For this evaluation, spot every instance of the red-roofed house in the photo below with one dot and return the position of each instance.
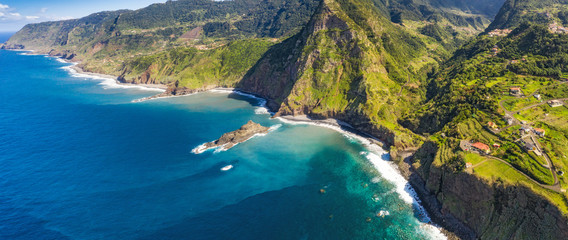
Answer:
(540, 131)
(515, 91)
(492, 125)
(481, 147)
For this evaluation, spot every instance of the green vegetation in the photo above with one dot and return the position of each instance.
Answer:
(516, 12)
(104, 41)
(414, 73)
(493, 171)
(195, 69)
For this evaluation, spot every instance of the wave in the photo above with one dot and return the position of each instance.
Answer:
(337, 126)
(105, 82)
(389, 172)
(227, 168)
(274, 127)
(202, 148)
(380, 159)
(262, 109)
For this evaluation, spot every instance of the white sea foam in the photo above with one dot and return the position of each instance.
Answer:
(201, 148)
(221, 90)
(105, 82)
(272, 128)
(350, 136)
(61, 60)
(388, 171)
(227, 168)
(261, 110)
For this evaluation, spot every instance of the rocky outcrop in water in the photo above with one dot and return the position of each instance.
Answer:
(230, 139)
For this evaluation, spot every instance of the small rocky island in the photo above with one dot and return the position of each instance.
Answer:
(230, 139)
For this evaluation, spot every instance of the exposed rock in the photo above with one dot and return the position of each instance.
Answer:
(193, 34)
(66, 54)
(474, 208)
(230, 139)
(12, 46)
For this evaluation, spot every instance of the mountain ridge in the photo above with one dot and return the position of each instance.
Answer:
(413, 73)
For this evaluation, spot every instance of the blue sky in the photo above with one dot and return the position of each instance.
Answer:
(14, 14)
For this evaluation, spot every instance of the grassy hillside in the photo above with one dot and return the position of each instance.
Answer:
(193, 68)
(474, 87)
(516, 12)
(104, 41)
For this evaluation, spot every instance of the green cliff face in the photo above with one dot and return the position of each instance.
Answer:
(493, 208)
(350, 63)
(410, 72)
(515, 12)
(109, 42)
(519, 187)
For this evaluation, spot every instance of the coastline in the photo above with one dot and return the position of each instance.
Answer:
(76, 71)
(380, 159)
(377, 155)
(80, 71)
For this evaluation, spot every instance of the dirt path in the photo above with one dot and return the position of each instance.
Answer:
(555, 187)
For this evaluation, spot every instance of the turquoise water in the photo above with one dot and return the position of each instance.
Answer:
(79, 160)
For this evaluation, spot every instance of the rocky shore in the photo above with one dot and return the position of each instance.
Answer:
(230, 139)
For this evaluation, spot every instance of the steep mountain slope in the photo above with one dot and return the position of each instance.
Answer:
(164, 21)
(499, 90)
(349, 63)
(516, 12)
(475, 14)
(386, 67)
(48, 35)
(173, 41)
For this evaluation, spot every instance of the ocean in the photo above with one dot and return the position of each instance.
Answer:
(80, 160)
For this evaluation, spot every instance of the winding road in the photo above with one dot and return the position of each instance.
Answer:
(554, 187)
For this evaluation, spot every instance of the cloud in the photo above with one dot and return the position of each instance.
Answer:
(12, 19)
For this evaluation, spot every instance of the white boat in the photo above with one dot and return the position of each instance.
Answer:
(227, 168)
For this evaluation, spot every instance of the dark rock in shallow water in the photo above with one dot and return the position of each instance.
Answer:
(230, 139)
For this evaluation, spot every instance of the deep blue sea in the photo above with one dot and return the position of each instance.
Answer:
(80, 160)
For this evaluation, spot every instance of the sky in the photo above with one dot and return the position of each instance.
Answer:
(14, 14)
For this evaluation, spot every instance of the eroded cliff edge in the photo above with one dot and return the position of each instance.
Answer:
(476, 208)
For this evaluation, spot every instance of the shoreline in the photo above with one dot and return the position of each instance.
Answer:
(107, 80)
(388, 170)
(105, 76)
(73, 69)
(377, 155)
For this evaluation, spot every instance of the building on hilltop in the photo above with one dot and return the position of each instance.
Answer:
(515, 91)
(509, 120)
(500, 32)
(555, 103)
(524, 130)
(481, 147)
(539, 131)
(529, 146)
